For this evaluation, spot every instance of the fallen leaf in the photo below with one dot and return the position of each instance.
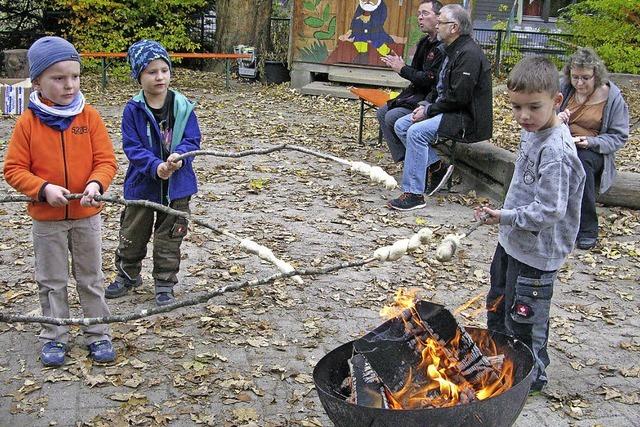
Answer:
(245, 414)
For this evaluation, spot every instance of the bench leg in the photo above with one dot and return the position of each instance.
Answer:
(361, 121)
(452, 154)
(104, 73)
(227, 72)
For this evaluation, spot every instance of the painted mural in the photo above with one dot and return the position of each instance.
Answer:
(354, 31)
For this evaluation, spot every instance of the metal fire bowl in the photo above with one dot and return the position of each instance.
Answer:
(499, 411)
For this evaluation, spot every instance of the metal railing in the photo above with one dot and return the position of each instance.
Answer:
(504, 52)
(205, 29)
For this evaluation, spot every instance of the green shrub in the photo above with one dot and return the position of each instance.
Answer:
(611, 27)
(112, 26)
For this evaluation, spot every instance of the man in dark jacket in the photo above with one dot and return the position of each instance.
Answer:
(422, 73)
(459, 107)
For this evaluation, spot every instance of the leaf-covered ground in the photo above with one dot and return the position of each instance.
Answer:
(246, 358)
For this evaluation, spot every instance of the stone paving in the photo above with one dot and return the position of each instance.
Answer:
(246, 358)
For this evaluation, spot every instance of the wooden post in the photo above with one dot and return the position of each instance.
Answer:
(546, 10)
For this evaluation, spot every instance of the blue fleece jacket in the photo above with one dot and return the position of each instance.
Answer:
(142, 145)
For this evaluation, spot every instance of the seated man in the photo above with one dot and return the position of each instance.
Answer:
(422, 73)
(460, 107)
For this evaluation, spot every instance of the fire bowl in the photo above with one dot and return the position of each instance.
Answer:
(499, 411)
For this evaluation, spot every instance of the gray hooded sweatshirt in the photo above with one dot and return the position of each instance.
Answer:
(541, 214)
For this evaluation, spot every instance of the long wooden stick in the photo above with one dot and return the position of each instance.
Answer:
(245, 244)
(143, 203)
(260, 151)
(375, 173)
(10, 318)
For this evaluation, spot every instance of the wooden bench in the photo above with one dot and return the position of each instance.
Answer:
(105, 56)
(370, 99)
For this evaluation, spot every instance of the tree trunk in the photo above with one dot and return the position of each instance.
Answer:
(16, 65)
(246, 22)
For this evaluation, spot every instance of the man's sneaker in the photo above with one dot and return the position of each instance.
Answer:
(102, 351)
(407, 202)
(53, 353)
(435, 174)
(120, 286)
(165, 298)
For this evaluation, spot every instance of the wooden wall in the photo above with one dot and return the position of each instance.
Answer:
(318, 24)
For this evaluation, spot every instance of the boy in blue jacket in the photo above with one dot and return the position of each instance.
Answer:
(158, 125)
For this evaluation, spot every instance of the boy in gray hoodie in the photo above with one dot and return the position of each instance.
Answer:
(541, 213)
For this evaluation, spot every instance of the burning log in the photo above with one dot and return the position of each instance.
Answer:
(418, 359)
(366, 387)
(499, 408)
(496, 361)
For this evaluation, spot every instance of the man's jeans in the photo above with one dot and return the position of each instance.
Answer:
(417, 139)
(387, 119)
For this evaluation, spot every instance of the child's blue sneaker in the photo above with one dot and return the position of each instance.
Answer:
(53, 353)
(102, 351)
(165, 298)
(120, 286)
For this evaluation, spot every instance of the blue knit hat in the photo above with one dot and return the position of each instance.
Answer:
(47, 51)
(141, 53)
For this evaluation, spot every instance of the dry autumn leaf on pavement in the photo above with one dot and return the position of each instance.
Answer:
(246, 357)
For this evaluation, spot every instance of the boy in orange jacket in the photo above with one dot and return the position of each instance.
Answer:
(60, 146)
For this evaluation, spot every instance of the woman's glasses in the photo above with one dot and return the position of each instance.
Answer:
(581, 78)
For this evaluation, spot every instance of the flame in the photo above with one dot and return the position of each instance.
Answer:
(402, 300)
(436, 382)
(493, 305)
(438, 390)
(504, 382)
(505, 379)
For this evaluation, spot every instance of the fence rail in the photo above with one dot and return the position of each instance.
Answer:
(504, 51)
(204, 30)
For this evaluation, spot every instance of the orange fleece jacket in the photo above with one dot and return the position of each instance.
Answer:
(38, 154)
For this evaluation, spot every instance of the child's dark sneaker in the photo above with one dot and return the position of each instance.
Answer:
(120, 286)
(102, 351)
(407, 202)
(536, 387)
(165, 298)
(586, 243)
(53, 353)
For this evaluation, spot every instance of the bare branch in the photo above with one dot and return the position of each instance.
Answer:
(9, 318)
(262, 252)
(258, 151)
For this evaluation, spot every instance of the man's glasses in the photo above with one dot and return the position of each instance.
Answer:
(581, 78)
(423, 14)
(445, 22)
